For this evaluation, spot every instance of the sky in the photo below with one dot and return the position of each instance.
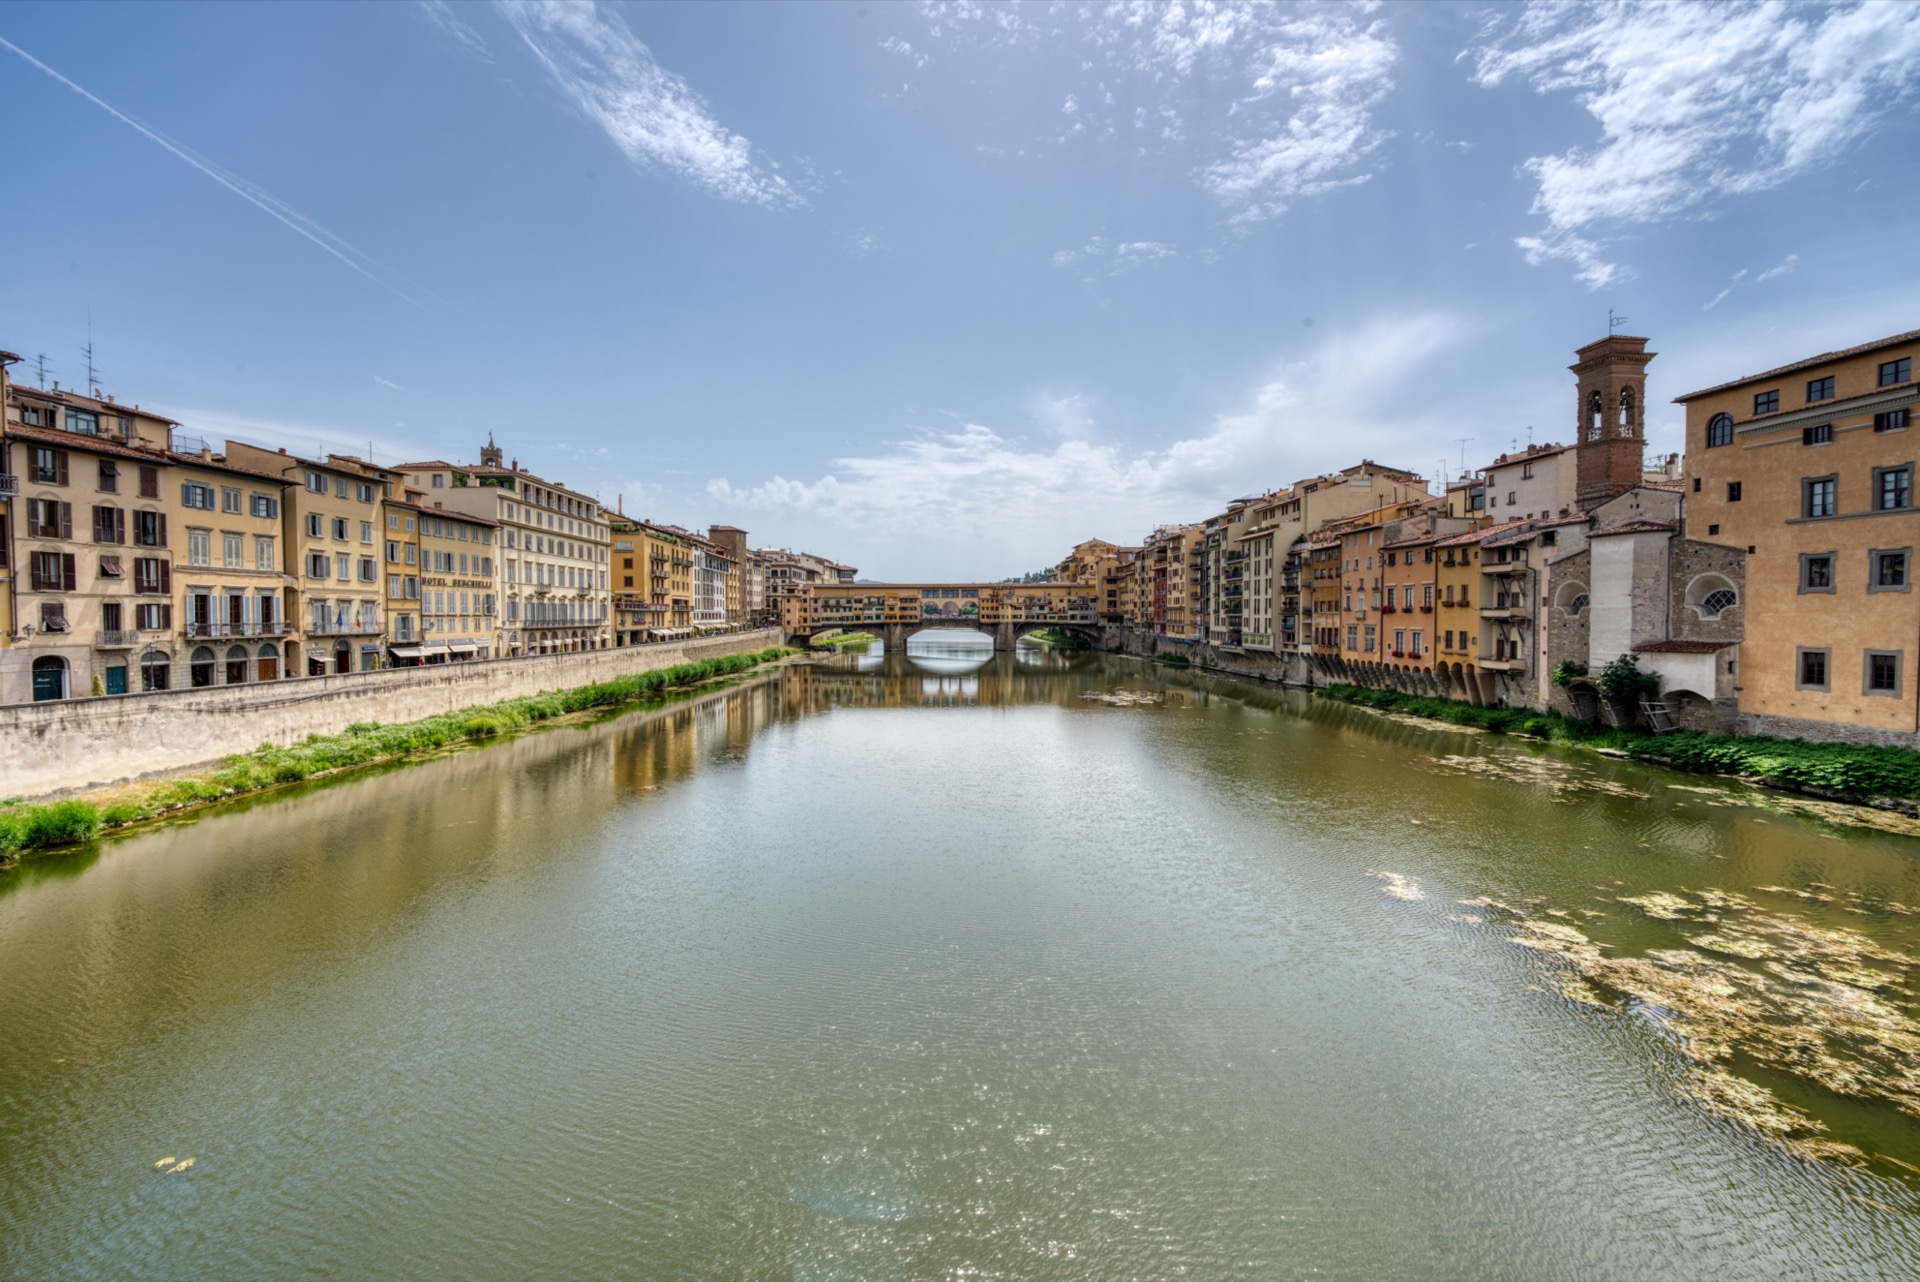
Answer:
(939, 290)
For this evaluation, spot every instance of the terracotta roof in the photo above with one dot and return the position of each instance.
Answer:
(221, 465)
(1475, 536)
(81, 441)
(1683, 647)
(1811, 361)
(1636, 527)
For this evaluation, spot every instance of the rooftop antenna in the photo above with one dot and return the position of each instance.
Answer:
(93, 374)
(1463, 442)
(40, 370)
(1614, 322)
(1529, 436)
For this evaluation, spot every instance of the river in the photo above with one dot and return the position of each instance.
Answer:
(955, 965)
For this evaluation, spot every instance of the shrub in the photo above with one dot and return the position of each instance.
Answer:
(1567, 670)
(1621, 681)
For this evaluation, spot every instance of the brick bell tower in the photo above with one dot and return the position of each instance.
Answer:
(1612, 417)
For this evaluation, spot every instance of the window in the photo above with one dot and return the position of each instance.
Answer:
(1887, 570)
(1719, 430)
(150, 529)
(439, 481)
(149, 481)
(233, 550)
(1816, 572)
(412, 552)
(230, 500)
(53, 616)
(263, 558)
(109, 476)
(316, 526)
(1767, 402)
(369, 570)
(1819, 497)
(110, 568)
(49, 519)
(1892, 372)
(151, 575)
(1718, 601)
(316, 483)
(393, 586)
(317, 564)
(84, 422)
(49, 465)
(343, 566)
(52, 571)
(1893, 487)
(199, 546)
(1819, 389)
(1821, 435)
(340, 528)
(154, 666)
(364, 492)
(264, 505)
(1880, 673)
(1891, 420)
(366, 531)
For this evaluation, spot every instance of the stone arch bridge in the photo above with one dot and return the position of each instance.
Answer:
(895, 611)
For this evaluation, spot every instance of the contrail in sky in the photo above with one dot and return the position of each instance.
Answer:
(260, 198)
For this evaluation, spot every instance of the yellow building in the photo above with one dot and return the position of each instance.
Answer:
(1808, 468)
(331, 525)
(230, 585)
(459, 592)
(400, 555)
(87, 548)
(652, 581)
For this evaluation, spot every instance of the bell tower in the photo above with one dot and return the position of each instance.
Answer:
(1611, 406)
(489, 453)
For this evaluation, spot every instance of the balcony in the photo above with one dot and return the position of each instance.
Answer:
(1503, 665)
(9, 486)
(1511, 567)
(1504, 612)
(331, 628)
(115, 639)
(1389, 608)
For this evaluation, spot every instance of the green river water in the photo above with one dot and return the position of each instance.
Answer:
(964, 966)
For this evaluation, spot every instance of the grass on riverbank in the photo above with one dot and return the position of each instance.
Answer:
(36, 825)
(1855, 770)
(1056, 639)
(844, 641)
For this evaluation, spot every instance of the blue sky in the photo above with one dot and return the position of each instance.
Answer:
(941, 289)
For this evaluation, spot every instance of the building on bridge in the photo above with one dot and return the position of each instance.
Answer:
(895, 611)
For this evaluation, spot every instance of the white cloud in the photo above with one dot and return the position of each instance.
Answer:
(864, 244)
(387, 382)
(457, 33)
(895, 45)
(1695, 103)
(1097, 257)
(1284, 95)
(1791, 261)
(949, 502)
(653, 116)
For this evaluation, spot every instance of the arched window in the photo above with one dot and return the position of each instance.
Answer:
(1596, 418)
(1577, 603)
(1572, 597)
(1712, 595)
(236, 665)
(1626, 412)
(49, 678)
(270, 662)
(1719, 430)
(155, 670)
(200, 667)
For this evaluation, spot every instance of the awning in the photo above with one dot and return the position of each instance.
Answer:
(431, 650)
(406, 652)
(463, 647)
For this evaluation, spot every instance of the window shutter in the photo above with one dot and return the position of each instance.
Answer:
(66, 571)
(166, 616)
(102, 524)
(166, 578)
(163, 530)
(60, 462)
(66, 512)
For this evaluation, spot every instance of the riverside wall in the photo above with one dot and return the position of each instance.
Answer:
(52, 749)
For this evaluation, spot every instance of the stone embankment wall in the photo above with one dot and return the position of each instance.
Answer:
(48, 749)
(1287, 669)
